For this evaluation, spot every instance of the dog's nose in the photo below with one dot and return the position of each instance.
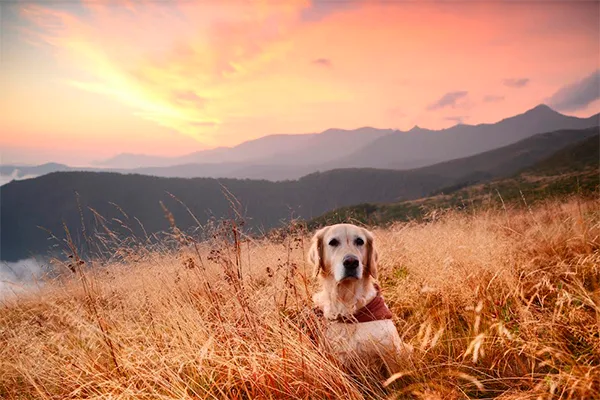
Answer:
(350, 262)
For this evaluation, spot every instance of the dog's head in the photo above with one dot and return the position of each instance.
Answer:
(343, 252)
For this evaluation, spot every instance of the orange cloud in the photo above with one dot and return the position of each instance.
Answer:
(181, 68)
(219, 73)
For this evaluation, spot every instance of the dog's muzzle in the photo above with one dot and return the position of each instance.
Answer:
(351, 266)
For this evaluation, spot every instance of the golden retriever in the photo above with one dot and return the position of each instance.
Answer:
(359, 327)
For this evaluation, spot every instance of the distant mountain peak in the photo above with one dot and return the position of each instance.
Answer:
(330, 130)
(52, 165)
(541, 112)
(542, 108)
(363, 129)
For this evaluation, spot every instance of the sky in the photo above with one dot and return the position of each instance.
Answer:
(84, 80)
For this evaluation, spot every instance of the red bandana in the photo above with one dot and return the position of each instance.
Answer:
(374, 311)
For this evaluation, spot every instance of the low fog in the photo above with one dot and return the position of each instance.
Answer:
(21, 276)
(4, 179)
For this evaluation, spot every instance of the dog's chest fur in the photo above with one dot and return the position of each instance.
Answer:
(367, 338)
(365, 342)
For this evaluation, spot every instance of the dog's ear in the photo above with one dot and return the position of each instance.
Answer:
(372, 255)
(315, 252)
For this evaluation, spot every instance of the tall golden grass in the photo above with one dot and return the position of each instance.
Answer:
(498, 304)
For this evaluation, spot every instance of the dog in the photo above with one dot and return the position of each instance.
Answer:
(358, 327)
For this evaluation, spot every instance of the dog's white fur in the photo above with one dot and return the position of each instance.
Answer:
(366, 343)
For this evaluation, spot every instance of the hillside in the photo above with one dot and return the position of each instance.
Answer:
(574, 169)
(49, 200)
(581, 156)
(512, 158)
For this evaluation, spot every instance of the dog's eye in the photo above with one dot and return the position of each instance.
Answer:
(359, 242)
(334, 242)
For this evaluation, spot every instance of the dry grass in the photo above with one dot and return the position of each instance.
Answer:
(500, 304)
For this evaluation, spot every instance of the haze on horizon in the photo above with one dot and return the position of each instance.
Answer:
(90, 79)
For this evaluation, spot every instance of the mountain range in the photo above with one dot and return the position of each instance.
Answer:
(288, 157)
(131, 203)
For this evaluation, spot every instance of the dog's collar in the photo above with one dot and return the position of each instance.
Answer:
(376, 310)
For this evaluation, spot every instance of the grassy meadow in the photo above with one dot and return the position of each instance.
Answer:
(498, 302)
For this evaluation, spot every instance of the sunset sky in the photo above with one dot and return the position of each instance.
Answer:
(86, 80)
